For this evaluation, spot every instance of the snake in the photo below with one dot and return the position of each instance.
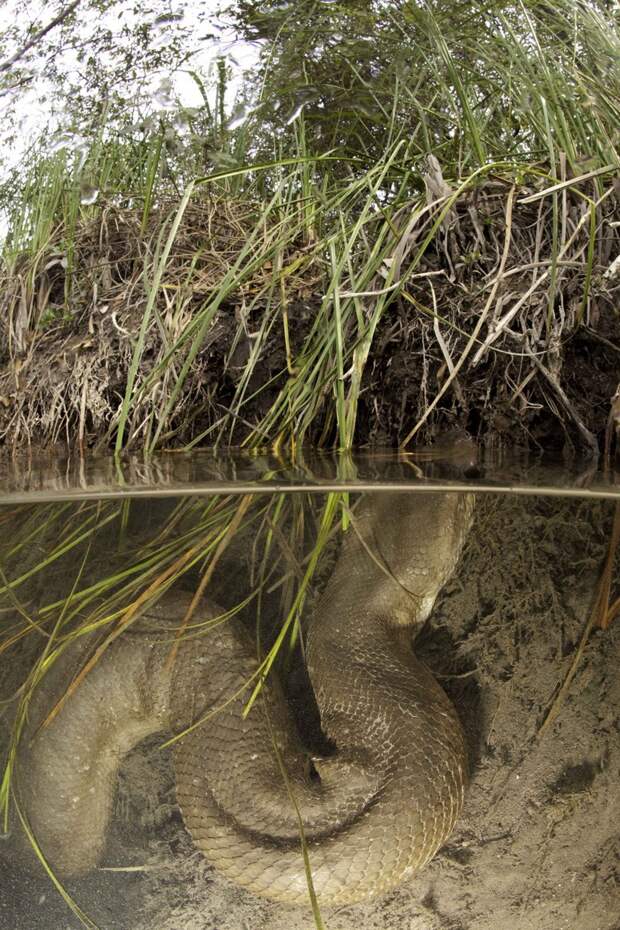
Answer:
(360, 818)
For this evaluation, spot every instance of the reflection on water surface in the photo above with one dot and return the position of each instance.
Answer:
(456, 464)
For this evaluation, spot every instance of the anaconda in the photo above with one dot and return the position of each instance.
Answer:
(374, 811)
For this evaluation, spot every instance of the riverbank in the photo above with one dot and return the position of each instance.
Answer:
(487, 304)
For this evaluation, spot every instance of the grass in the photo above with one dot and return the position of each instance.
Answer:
(424, 252)
(271, 334)
(121, 569)
(256, 305)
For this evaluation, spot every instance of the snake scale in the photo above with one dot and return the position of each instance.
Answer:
(374, 811)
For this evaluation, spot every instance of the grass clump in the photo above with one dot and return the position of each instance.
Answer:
(317, 277)
(226, 321)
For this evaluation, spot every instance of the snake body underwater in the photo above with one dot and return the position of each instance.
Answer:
(374, 811)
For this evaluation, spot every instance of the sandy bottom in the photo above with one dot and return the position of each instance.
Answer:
(538, 844)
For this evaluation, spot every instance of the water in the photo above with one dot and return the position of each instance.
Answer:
(456, 465)
(535, 842)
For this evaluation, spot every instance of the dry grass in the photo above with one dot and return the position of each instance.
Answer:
(224, 322)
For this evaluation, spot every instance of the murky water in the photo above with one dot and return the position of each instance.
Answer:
(514, 638)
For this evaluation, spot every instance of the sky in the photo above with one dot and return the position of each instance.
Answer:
(36, 107)
(161, 91)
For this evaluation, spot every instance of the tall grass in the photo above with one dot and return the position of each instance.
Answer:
(517, 90)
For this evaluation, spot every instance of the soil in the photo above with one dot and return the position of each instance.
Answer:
(538, 843)
(543, 379)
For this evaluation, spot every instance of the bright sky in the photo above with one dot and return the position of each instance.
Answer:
(162, 91)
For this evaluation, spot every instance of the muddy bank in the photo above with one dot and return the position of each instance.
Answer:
(521, 352)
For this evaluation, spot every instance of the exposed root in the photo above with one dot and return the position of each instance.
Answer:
(498, 316)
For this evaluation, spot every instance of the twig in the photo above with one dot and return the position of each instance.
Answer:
(5, 65)
(472, 339)
(608, 613)
(392, 287)
(571, 182)
(588, 437)
(606, 342)
(598, 617)
(510, 315)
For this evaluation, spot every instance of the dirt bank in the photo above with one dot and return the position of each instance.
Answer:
(519, 350)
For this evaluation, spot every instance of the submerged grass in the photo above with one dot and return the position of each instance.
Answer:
(122, 569)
